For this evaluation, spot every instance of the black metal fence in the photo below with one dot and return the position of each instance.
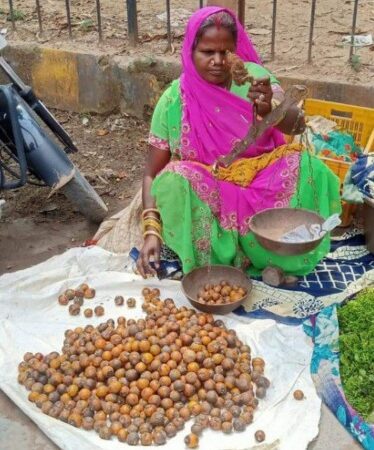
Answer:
(132, 22)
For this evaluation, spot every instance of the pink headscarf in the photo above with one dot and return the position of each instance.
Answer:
(213, 118)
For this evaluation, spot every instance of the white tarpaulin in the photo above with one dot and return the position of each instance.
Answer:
(32, 320)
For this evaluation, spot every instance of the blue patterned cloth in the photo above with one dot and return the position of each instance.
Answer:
(324, 331)
(348, 268)
(359, 181)
(347, 262)
(362, 175)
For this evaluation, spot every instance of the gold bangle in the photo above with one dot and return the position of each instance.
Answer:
(153, 218)
(152, 229)
(153, 224)
(154, 233)
(150, 221)
(150, 210)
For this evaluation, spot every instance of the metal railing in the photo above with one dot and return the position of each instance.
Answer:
(132, 22)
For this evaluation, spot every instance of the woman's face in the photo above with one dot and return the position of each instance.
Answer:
(209, 55)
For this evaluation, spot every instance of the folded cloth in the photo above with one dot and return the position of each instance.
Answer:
(321, 125)
(359, 181)
(363, 175)
(336, 145)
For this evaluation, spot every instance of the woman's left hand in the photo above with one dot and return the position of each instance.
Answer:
(261, 94)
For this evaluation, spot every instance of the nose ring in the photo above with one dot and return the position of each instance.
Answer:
(212, 62)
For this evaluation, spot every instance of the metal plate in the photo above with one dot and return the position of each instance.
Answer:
(197, 278)
(269, 225)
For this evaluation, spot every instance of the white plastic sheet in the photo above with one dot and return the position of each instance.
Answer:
(32, 320)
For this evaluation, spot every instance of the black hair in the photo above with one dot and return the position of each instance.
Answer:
(219, 19)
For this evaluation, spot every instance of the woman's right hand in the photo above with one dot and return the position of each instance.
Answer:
(151, 247)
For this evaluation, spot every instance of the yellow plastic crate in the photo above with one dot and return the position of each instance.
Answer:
(359, 122)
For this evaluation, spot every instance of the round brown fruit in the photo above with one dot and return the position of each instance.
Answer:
(258, 362)
(105, 432)
(197, 428)
(146, 438)
(89, 293)
(99, 311)
(227, 427)
(74, 309)
(88, 312)
(260, 436)
(70, 294)
(131, 302)
(122, 435)
(191, 440)
(298, 395)
(239, 424)
(260, 392)
(78, 301)
(78, 294)
(119, 300)
(63, 300)
(83, 287)
(159, 437)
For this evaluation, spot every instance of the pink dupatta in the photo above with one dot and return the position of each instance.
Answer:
(214, 118)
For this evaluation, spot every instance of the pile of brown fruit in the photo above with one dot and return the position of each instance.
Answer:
(220, 294)
(75, 299)
(142, 380)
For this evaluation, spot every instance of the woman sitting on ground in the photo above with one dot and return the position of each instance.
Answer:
(198, 119)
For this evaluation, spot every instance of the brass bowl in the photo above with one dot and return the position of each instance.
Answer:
(269, 225)
(197, 278)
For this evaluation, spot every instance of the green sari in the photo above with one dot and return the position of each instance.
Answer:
(190, 227)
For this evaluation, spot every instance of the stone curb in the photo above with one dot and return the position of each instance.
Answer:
(91, 83)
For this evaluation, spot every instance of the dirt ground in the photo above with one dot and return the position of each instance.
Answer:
(333, 20)
(111, 155)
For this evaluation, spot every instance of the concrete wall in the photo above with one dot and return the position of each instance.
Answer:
(338, 92)
(83, 82)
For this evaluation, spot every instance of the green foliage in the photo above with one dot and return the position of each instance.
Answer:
(356, 342)
(86, 25)
(17, 15)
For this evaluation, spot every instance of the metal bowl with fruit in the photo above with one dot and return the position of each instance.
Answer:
(216, 289)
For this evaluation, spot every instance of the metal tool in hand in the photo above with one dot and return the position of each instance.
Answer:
(292, 97)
